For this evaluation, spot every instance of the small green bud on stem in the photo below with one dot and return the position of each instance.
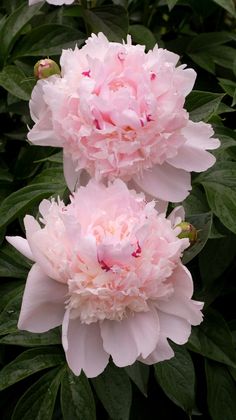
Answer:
(188, 231)
(45, 68)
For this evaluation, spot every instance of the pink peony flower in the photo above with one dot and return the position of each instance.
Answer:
(108, 268)
(54, 2)
(118, 112)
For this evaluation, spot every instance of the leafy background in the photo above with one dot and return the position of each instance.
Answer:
(35, 382)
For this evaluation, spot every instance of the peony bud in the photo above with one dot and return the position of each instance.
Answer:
(45, 68)
(188, 231)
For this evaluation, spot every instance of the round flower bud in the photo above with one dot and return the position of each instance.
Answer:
(188, 231)
(45, 68)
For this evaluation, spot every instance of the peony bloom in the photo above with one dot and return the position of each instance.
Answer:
(119, 112)
(54, 2)
(108, 268)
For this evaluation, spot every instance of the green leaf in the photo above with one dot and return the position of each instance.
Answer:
(48, 39)
(10, 314)
(222, 200)
(113, 388)
(202, 105)
(5, 176)
(211, 266)
(142, 35)
(221, 391)
(111, 20)
(14, 81)
(27, 339)
(139, 373)
(202, 222)
(30, 362)
(203, 60)
(213, 339)
(18, 202)
(177, 378)
(219, 183)
(38, 401)
(14, 25)
(229, 87)
(77, 400)
(227, 5)
(8, 291)
(171, 4)
(12, 263)
(222, 55)
(208, 39)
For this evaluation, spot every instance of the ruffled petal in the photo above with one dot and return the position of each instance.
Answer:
(84, 348)
(165, 182)
(43, 302)
(193, 155)
(33, 228)
(163, 351)
(180, 303)
(130, 338)
(21, 245)
(72, 176)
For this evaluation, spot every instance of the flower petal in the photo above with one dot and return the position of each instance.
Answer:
(72, 176)
(163, 351)
(130, 338)
(165, 182)
(43, 302)
(84, 348)
(180, 303)
(193, 155)
(21, 245)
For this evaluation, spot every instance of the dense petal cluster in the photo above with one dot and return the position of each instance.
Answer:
(118, 111)
(108, 268)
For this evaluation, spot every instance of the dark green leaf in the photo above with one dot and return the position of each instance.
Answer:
(221, 391)
(208, 39)
(27, 339)
(14, 25)
(30, 362)
(202, 222)
(171, 4)
(12, 263)
(113, 388)
(229, 87)
(202, 105)
(47, 40)
(213, 339)
(227, 5)
(211, 266)
(111, 20)
(10, 314)
(14, 81)
(139, 373)
(77, 400)
(17, 203)
(177, 378)
(142, 35)
(38, 401)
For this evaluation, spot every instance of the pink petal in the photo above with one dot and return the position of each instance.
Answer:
(84, 348)
(130, 338)
(21, 245)
(180, 303)
(177, 215)
(175, 328)
(71, 174)
(193, 155)
(43, 302)
(162, 352)
(165, 182)
(32, 228)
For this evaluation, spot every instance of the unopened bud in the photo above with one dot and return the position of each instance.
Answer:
(45, 68)
(188, 231)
